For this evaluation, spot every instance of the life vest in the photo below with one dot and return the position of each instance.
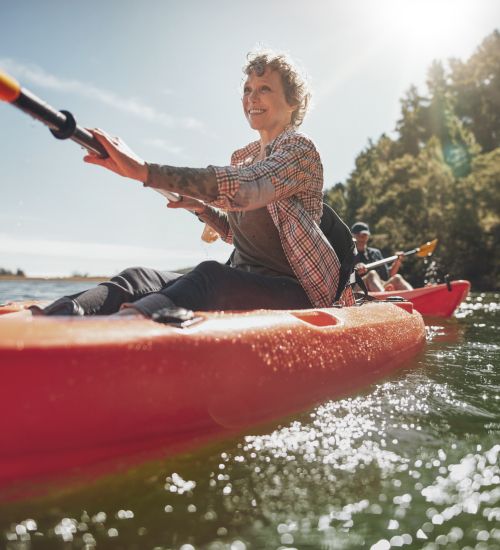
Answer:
(339, 236)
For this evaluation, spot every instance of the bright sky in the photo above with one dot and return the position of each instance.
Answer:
(165, 75)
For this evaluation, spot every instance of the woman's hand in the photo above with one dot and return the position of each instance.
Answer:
(121, 159)
(209, 235)
(193, 205)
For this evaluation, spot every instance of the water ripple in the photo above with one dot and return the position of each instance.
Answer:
(410, 462)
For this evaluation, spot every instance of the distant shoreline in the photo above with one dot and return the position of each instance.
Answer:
(71, 279)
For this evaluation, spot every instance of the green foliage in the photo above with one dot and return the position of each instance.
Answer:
(475, 85)
(336, 196)
(440, 176)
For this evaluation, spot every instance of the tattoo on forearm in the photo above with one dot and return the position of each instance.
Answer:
(199, 183)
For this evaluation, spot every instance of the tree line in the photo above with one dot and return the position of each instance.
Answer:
(8, 272)
(438, 175)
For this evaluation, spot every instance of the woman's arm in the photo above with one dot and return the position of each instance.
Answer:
(294, 167)
(199, 183)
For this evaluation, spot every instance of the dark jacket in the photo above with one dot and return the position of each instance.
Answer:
(339, 236)
(372, 255)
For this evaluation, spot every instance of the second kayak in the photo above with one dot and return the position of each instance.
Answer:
(434, 300)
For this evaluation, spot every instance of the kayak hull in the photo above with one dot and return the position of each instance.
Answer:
(80, 390)
(434, 300)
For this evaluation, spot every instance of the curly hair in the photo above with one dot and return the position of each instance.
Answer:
(294, 84)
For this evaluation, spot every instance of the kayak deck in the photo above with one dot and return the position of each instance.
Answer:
(80, 390)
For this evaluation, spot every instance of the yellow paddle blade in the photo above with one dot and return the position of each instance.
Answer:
(9, 88)
(427, 249)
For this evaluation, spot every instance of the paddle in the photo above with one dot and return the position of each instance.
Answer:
(62, 124)
(422, 251)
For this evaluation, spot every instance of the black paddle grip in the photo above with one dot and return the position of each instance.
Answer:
(62, 124)
(67, 129)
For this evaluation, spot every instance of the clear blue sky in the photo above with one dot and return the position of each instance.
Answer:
(165, 75)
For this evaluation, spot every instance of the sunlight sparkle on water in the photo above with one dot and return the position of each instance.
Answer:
(410, 462)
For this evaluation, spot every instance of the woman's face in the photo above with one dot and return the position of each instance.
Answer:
(265, 105)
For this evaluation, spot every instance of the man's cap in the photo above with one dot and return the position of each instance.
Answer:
(360, 227)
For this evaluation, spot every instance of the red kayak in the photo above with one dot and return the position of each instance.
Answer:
(433, 300)
(76, 391)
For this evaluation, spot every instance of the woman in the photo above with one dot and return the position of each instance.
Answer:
(267, 203)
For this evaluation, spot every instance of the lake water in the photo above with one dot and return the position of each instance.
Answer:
(410, 462)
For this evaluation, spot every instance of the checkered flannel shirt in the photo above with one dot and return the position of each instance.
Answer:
(293, 168)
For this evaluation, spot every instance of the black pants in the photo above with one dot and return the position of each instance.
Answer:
(209, 286)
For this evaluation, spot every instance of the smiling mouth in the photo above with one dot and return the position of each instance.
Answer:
(256, 111)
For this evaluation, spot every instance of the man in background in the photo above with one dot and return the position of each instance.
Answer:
(380, 278)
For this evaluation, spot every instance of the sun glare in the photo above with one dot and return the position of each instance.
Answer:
(426, 29)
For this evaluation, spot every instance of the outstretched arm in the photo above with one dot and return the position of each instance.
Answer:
(199, 183)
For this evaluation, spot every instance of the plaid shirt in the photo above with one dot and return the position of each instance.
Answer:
(289, 181)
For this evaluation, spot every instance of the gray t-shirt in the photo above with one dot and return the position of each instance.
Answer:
(257, 243)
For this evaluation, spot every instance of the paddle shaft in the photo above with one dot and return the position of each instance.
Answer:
(61, 123)
(56, 120)
(389, 259)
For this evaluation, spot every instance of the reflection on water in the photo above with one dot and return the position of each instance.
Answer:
(39, 290)
(411, 462)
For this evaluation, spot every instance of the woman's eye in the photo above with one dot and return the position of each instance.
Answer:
(265, 89)
(246, 90)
